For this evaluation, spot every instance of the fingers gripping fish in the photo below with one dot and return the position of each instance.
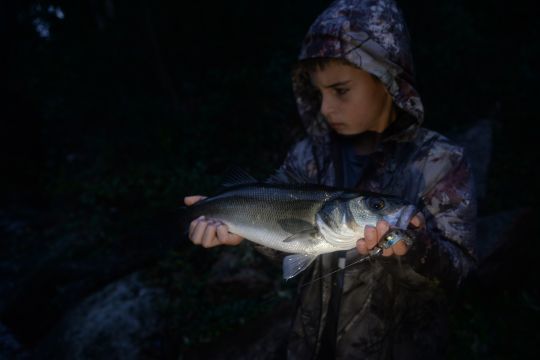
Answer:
(389, 239)
(305, 220)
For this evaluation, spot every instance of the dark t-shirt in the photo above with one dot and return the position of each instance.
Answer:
(354, 165)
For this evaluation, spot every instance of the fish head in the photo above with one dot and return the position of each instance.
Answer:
(371, 208)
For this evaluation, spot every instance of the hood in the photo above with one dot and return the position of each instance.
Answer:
(372, 35)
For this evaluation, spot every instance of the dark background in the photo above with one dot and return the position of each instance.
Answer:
(114, 110)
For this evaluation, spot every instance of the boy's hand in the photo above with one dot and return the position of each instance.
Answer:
(372, 236)
(209, 232)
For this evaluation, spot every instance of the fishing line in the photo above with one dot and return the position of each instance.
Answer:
(367, 257)
(390, 238)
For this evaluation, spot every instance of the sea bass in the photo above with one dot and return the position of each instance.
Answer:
(303, 219)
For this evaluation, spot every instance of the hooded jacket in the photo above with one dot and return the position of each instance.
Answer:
(389, 307)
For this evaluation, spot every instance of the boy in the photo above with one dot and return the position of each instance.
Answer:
(355, 93)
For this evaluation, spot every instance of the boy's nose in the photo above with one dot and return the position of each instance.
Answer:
(327, 107)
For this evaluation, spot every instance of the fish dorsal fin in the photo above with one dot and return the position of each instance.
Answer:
(294, 178)
(295, 264)
(237, 176)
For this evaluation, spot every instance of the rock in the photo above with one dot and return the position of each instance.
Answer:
(10, 348)
(494, 231)
(477, 143)
(120, 322)
(271, 344)
(230, 270)
(264, 338)
(506, 246)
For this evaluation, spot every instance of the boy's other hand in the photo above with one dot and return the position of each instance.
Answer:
(209, 232)
(372, 236)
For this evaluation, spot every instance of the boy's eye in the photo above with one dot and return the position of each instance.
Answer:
(341, 91)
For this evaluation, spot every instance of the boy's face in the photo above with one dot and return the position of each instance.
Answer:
(352, 101)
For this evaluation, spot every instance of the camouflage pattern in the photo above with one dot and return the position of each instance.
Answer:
(390, 307)
(370, 34)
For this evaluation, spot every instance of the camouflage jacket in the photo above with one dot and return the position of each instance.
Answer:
(390, 307)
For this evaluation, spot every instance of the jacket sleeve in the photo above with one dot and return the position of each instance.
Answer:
(443, 250)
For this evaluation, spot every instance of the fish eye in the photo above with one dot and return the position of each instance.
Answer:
(376, 204)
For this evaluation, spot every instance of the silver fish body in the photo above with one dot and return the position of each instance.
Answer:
(305, 220)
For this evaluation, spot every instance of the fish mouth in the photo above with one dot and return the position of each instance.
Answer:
(406, 216)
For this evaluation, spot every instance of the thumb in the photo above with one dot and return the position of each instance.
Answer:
(190, 200)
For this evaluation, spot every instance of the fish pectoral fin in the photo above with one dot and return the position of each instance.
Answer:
(310, 235)
(295, 264)
(294, 226)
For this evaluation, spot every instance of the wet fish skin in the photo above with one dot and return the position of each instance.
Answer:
(305, 220)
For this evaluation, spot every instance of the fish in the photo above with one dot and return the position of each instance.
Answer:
(303, 219)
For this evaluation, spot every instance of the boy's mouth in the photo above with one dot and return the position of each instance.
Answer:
(336, 124)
